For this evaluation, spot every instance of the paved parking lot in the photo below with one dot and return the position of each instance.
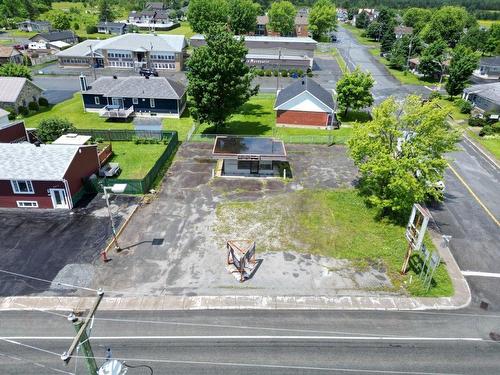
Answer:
(59, 246)
(171, 247)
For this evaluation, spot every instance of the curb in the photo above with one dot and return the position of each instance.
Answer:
(460, 299)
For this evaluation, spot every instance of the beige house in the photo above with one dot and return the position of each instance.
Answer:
(10, 55)
(17, 91)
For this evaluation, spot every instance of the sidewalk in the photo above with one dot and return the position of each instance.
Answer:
(460, 299)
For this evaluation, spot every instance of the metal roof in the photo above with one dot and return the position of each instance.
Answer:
(490, 61)
(80, 50)
(276, 39)
(56, 35)
(72, 139)
(10, 88)
(7, 51)
(233, 146)
(490, 91)
(25, 161)
(309, 85)
(137, 87)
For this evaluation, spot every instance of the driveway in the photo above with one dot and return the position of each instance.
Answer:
(58, 246)
(57, 89)
(172, 246)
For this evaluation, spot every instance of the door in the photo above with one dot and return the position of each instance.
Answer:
(254, 167)
(59, 198)
(117, 102)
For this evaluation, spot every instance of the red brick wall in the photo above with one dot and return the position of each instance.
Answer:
(301, 118)
(83, 165)
(8, 198)
(13, 133)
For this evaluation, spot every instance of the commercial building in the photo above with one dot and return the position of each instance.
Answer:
(128, 51)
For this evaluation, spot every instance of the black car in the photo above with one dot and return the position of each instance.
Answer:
(148, 72)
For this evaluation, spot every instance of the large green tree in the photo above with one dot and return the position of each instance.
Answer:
(476, 39)
(322, 18)
(243, 15)
(282, 17)
(417, 18)
(60, 20)
(106, 11)
(400, 154)
(362, 20)
(15, 70)
(403, 49)
(52, 128)
(202, 14)
(447, 23)
(463, 62)
(433, 59)
(354, 90)
(219, 80)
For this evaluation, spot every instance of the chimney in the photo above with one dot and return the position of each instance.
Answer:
(83, 83)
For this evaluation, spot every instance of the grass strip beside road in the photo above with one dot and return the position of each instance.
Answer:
(331, 223)
(490, 143)
(340, 61)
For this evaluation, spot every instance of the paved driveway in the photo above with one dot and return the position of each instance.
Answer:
(59, 246)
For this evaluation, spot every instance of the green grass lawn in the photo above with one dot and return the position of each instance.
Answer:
(183, 29)
(181, 125)
(340, 60)
(488, 23)
(333, 223)
(492, 144)
(136, 160)
(454, 111)
(72, 110)
(359, 37)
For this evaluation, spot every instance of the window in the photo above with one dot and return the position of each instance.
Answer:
(27, 203)
(135, 101)
(152, 103)
(96, 100)
(22, 187)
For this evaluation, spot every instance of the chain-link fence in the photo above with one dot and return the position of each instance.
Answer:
(304, 139)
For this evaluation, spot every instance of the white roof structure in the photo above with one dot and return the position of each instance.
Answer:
(263, 38)
(25, 161)
(72, 139)
(129, 42)
(10, 88)
(59, 44)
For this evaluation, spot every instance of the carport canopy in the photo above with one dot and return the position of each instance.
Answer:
(234, 147)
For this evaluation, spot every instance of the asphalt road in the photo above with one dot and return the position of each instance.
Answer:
(264, 342)
(57, 89)
(358, 55)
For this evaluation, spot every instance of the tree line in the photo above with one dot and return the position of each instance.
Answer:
(471, 5)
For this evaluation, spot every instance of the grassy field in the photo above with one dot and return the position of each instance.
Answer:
(488, 23)
(136, 160)
(333, 223)
(454, 111)
(183, 29)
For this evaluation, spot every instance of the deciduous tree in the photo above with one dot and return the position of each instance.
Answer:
(447, 23)
(106, 11)
(61, 21)
(282, 17)
(52, 128)
(400, 154)
(15, 70)
(243, 15)
(362, 20)
(322, 18)
(354, 90)
(433, 59)
(202, 14)
(463, 62)
(219, 79)
(417, 18)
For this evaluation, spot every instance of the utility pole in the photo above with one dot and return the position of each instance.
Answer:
(82, 338)
(92, 61)
(278, 76)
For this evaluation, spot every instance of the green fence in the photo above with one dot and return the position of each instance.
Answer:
(136, 186)
(125, 135)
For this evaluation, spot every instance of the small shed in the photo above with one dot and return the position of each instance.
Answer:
(249, 156)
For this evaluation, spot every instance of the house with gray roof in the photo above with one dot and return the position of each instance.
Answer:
(9, 54)
(118, 28)
(44, 176)
(34, 26)
(489, 68)
(18, 91)
(305, 103)
(66, 36)
(128, 51)
(123, 97)
(485, 97)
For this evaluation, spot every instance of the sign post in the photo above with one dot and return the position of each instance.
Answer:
(415, 232)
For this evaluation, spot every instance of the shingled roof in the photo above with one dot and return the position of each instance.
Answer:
(302, 85)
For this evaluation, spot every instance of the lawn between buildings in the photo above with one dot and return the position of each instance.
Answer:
(332, 223)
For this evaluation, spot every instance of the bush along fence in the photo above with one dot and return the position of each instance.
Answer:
(134, 186)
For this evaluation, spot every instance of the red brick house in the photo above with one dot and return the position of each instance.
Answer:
(305, 103)
(44, 176)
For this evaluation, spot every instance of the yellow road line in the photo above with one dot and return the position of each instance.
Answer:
(474, 195)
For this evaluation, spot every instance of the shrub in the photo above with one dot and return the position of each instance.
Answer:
(135, 140)
(99, 140)
(276, 73)
(42, 102)
(463, 105)
(76, 26)
(33, 106)
(268, 73)
(91, 29)
(477, 121)
(12, 112)
(490, 129)
(22, 110)
(284, 73)
(309, 74)
(435, 95)
(300, 72)
(52, 128)
(259, 72)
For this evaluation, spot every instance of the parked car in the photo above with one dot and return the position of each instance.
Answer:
(148, 72)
